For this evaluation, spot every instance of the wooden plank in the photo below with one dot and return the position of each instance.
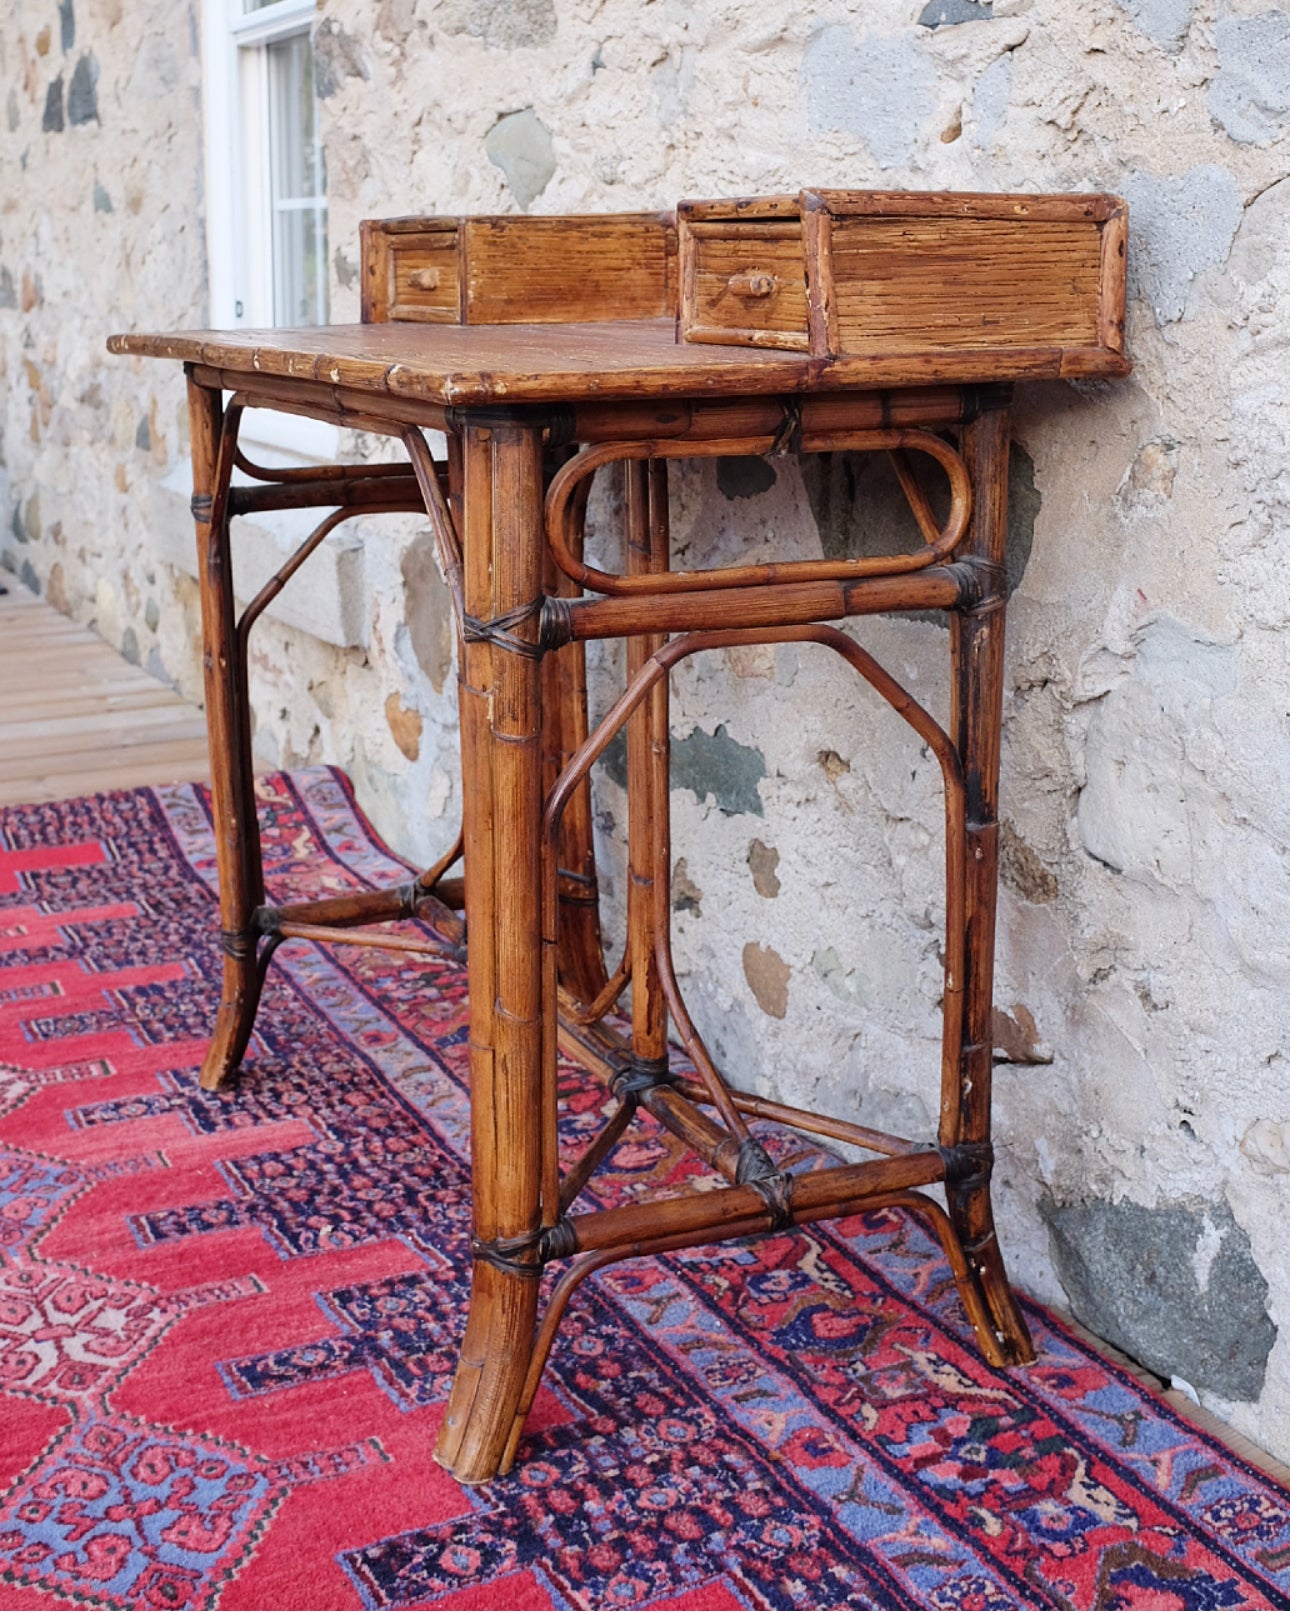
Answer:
(90, 736)
(52, 785)
(75, 718)
(100, 699)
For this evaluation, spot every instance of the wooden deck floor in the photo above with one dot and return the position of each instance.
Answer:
(75, 718)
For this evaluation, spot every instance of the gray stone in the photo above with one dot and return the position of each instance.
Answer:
(1024, 502)
(1181, 226)
(1022, 869)
(130, 646)
(52, 122)
(8, 295)
(880, 88)
(346, 268)
(83, 91)
(686, 895)
(861, 510)
(1175, 1287)
(1250, 94)
(718, 766)
(945, 13)
(337, 56)
(744, 475)
(1165, 21)
(520, 145)
(102, 201)
(66, 25)
(708, 764)
(428, 610)
(29, 576)
(673, 81)
(152, 615)
(156, 69)
(991, 97)
(12, 111)
(143, 434)
(506, 24)
(1261, 240)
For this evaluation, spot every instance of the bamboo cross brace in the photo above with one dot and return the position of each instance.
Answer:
(711, 1087)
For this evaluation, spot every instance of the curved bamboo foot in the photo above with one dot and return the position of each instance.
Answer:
(494, 1363)
(972, 1217)
(234, 1021)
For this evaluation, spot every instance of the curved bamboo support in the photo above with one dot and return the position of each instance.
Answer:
(286, 572)
(596, 1152)
(587, 1265)
(711, 1084)
(976, 643)
(583, 973)
(593, 1012)
(940, 542)
(311, 473)
(248, 940)
(428, 880)
(446, 537)
(237, 837)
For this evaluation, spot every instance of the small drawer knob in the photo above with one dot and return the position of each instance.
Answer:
(424, 279)
(752, 283)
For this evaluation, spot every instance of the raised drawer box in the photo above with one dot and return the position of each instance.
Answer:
(1032, 283)
(507, 270)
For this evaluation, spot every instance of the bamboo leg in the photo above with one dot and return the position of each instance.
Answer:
(648, 846)
(237, 835)
(502, 761)
(977, 696)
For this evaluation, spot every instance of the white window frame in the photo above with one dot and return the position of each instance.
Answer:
(238, 222)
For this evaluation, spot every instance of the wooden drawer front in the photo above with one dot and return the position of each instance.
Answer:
(509, 271)
(566, 270)
(744, 283)
(912, 284)
(424, 277)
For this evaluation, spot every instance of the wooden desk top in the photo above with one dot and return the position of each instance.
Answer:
(472, 365)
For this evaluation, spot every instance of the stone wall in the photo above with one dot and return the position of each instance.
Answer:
(1144, 971)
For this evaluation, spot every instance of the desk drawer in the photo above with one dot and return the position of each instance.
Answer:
(745, 282)
(1007, 284)
(424, 277)
(508, 270)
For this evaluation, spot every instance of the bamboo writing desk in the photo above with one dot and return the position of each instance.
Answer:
(531, 412)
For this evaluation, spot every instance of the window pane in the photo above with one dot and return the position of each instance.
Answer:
(298, 186)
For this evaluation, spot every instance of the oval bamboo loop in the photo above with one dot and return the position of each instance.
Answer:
(939, 541)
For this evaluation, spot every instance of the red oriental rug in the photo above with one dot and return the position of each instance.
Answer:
(227, 1323)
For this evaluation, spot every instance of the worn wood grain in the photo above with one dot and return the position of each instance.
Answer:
(475, 365)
